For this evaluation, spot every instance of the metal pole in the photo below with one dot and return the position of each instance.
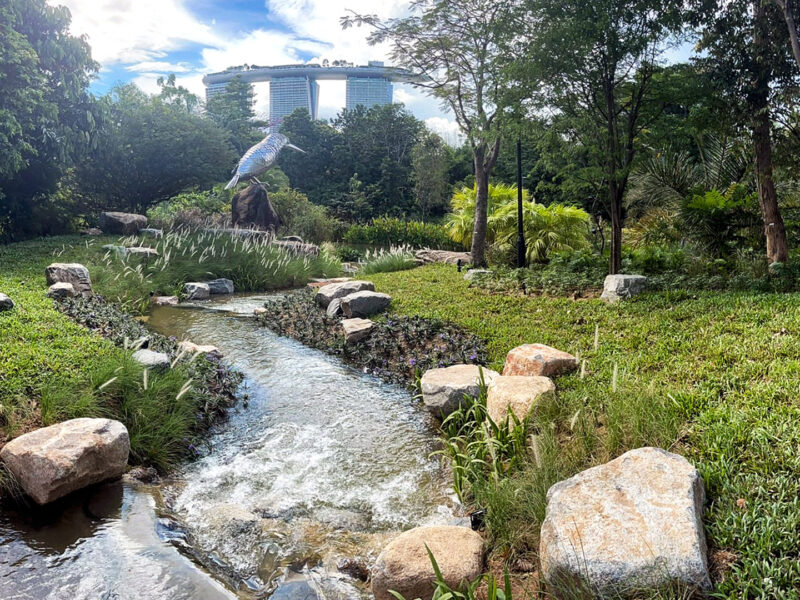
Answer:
(520, 232)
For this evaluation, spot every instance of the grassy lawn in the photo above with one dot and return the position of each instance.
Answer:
(713, 376)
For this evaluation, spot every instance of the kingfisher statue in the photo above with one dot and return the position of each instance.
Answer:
(260, 158)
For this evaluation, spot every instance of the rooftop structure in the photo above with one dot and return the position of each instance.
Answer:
(295, 86)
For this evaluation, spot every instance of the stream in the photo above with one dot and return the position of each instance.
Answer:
(295, 494)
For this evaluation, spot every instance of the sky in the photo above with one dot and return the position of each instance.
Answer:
(141, 40)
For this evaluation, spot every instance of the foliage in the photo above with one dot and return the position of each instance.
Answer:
(300, 217)
(192, 205)
(383, 261)
(716, 218)
(460, 222)
(656, 227)
(387, 231)
(430, 161)
(399, 349)
(232, 111)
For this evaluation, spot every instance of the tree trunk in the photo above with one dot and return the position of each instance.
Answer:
(478, 249)
(615, 202)
(774, 230)
(788, 16)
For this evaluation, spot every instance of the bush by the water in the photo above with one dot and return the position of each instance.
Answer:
(399, 349)
(387, 231)
(301, 217)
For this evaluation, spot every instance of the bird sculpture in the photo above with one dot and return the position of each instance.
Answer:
(260, 158)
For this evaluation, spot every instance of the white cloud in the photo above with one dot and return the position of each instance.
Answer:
(447, 129)
(160, 66)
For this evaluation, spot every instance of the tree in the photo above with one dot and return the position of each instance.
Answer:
(594, 62)
(455, 48)
(431, 164)
(232, 110)
(47, 117)
(745, 46)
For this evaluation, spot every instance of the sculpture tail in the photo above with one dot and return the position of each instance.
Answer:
(232, 183)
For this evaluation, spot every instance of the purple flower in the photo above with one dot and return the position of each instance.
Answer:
(412, 362)
(473, 356)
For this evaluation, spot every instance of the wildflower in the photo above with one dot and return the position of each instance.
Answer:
(412, 362)
(473, 356)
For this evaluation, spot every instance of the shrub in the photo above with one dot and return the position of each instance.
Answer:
(387, 231)
(383, 261)
(191, 208)
(722, 220)
(459, 223)
(303, 218)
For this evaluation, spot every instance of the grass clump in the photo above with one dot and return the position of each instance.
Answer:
(387, 261)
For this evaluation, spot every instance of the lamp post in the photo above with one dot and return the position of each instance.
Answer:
(520, 232)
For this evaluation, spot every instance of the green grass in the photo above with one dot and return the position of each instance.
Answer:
(714, 376)
(388, 261)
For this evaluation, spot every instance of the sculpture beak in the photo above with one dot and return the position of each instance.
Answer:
(293, 147)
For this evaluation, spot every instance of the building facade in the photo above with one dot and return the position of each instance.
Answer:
(287, 94)
(368, 91)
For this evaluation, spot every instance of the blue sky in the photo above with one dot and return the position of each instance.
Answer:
(140, 40)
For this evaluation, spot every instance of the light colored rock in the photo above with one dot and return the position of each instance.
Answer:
(633, 522)
(443, 390)
(150, 232)
(53, 461)
(151, 359)
(315, 284)
(73, 273)
(192, 348)
(334, 308)
(259, 310)
(6, 303)
(121, 251)
(196, 291)
(538, 359)
(620, 287)
(365, 304)
(141, 252)
(122, 223)
(443, 256)
(517, 394)
(220, 286)
(166, 300)
(404, 566)
(330, 292)
(356, 329)
(92, 231)
(61, 290)
(473, 273)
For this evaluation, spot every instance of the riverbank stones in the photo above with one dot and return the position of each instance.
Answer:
(356, 329)
(6, 303)
(73, 273)
(150, 232)
(53, 461)
(317, 283)
(192, 348)
(151, 359)
(61, 290)
(622, 287)
(220, 286)
(516, 394)
(196, 291)
(330, 292)
(165, 300)
(365, 304)
(405, 567)
(121, 223)
(633, 522)
(444, 390)
(538, 359)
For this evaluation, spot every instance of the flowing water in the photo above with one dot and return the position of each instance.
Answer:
(313, 476)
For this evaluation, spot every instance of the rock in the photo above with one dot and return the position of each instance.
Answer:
(92, 231)
(150, 232)
(356, 330)
(122, 251)
(295, 590)
(517, 394)
(6, 303)
(473, 273)
(53, 461)
(141, 474)
(121, 223)
(354, 568)
(443, 256)
(196, 291)
(443, 390)
(404, 565)
(165, 300)
(151, 359)
(315, 284)
(620, 287)
(61, 290)
(141, 252)
(334, 308)
(297, 248)
(292, 238)
(73, 273)
(259, 310)
(339, 290)
(365, 304)
(220, 286)
(633, 522)
(538, 359)
(251, 208)
(191, 347)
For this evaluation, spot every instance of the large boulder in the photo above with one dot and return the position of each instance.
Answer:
(73, 273)
(317, 283)
(141, 252)
(251, 208)
(334, 308)
(151, 359)
(443, 256)
(329, 292)
(53, 461)
(538, 359)
(61, 290)
(120, 223)
(621, 287)
(633, 522)
(365, 304)
(516, 394)
(444, 390)
(6, 303)
(196, 291)
(356, 329)
(220, 286)
(405, 567)
(150, 232)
